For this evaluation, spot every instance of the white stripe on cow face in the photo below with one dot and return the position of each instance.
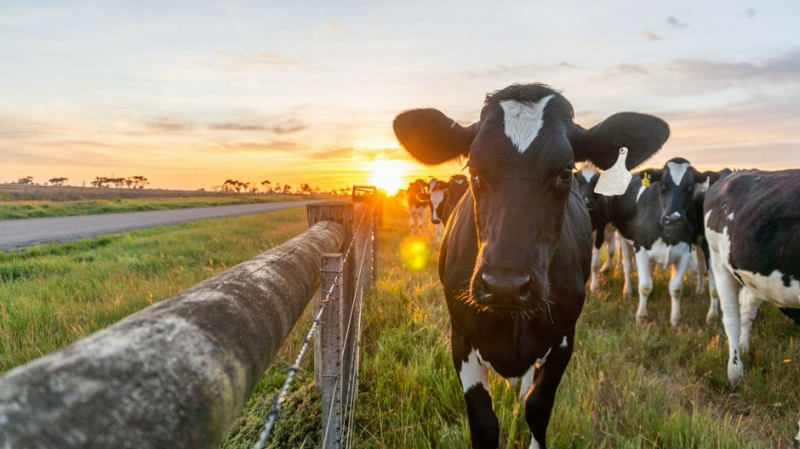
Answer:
(523, 121)
(587, 174)
(677, 171)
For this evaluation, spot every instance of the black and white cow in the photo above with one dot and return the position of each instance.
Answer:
(515, 256)
(752, 221)
(442, 198)
(416, 206)
(600, 213)
(701, 245)
(659, 224)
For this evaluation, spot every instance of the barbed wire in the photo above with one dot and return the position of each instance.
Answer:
(273, 414)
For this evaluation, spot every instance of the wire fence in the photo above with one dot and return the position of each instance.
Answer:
(344, 294)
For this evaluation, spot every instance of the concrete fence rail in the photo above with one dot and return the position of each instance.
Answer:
(176, 374)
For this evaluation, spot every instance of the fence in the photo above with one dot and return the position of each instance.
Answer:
(178, 373)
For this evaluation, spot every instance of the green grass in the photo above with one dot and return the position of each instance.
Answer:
(51, 295)
(35, 209)
(627, 386)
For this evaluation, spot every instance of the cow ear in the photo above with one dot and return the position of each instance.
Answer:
(423, 197)
(432, 137)
(709, 176)
(642, 134)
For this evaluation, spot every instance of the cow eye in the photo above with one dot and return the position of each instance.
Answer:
(565, 175)
(474, 178)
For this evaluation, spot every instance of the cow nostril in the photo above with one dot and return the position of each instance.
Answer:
(524, 288)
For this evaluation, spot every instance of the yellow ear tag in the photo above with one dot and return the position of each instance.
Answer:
(615, 180)
(646, 181)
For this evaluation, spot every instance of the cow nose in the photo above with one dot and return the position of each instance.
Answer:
(589, 203)
(671, 220)
(435, 221)
(505, 289)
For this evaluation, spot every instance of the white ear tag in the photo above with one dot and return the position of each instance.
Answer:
(615, 180)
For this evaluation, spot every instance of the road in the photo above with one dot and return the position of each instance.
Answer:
(16, 234)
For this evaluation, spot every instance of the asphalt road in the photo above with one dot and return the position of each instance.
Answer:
(16, 234)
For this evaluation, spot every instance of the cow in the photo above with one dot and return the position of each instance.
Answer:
(600, 214)
(416, 206)
(752, 224)
(442, 198)
(658, 223)
(515, 254)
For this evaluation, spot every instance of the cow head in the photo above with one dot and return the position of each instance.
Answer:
(437, 196)
(587, 178)
(677, 183)
(521, 154)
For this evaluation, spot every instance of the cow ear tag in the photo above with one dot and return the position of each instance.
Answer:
(646, 180)
(615, 180)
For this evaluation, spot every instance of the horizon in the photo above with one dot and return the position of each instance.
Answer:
(191, 94)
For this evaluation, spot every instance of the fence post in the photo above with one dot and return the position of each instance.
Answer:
(331, 339)
(342, 213)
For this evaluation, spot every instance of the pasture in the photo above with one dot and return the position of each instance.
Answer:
(627, 386)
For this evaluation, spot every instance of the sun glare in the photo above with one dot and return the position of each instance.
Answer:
(387, 175)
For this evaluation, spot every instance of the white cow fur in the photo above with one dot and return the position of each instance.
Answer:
(611, 249)
(523, 121)
(678, 256)
(739, 308)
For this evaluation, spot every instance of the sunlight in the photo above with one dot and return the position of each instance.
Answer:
(387, 174)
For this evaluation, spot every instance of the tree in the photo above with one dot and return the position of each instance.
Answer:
(100, 181)
(26, 180)
(139, 182)
(58, 181)
(266, 185)
(304, 189)
(287, 189)
(278, 188)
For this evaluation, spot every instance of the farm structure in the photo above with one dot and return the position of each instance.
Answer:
(178, 373)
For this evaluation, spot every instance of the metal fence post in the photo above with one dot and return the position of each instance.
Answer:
(331, 338)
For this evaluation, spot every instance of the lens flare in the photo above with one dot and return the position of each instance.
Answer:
(414, 252)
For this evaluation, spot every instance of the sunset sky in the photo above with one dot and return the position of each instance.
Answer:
(190, 93)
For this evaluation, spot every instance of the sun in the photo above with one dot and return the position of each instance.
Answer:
(387, 174)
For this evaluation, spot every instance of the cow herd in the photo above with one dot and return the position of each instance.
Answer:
(520, 237)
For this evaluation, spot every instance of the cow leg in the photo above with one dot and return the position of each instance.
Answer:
(797, 438)
(598, 243)
(728, 289)
(701, 271)
(546, 377)
(627, 266)
(611, 248)
(675, 284)
(439, 229)
(474, 377)
(645, 270)
(713, 307)
(748, 309)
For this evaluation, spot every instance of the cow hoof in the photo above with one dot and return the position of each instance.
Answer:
(735, 373)
(641, 320)
(712, 316)
(674, 323)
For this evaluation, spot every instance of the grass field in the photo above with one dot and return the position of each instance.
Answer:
(36, 209)
(627, 386)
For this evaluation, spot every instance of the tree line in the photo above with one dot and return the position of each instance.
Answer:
(131, 182)
(267, 186)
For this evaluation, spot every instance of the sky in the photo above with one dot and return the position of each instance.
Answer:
(191, 93)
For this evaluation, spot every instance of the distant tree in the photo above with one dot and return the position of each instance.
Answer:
(266, 185)
(278, 188)
(58, 181)
(304, 189)
(287, 189)
(25, 181)
(254, 189)
(317, 190)
(100, 181)
(137, 182)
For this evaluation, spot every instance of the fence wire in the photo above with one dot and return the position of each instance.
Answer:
(273, 415)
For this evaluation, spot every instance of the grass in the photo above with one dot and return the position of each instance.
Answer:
(51, 295)
(36, 209)
(627, 386)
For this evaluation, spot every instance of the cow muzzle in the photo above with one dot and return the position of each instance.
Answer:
(672, 220)
(504, 287)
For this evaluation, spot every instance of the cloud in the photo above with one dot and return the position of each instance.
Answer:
(780, 69)
(169, 126)
(330, 28)
(519, 70)
(180, 126)
(253, 147)
(749, 13)
(346, 152)
(675, 23)
(275, 59)
(287, 126)
(648, 36)
(624, 70)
